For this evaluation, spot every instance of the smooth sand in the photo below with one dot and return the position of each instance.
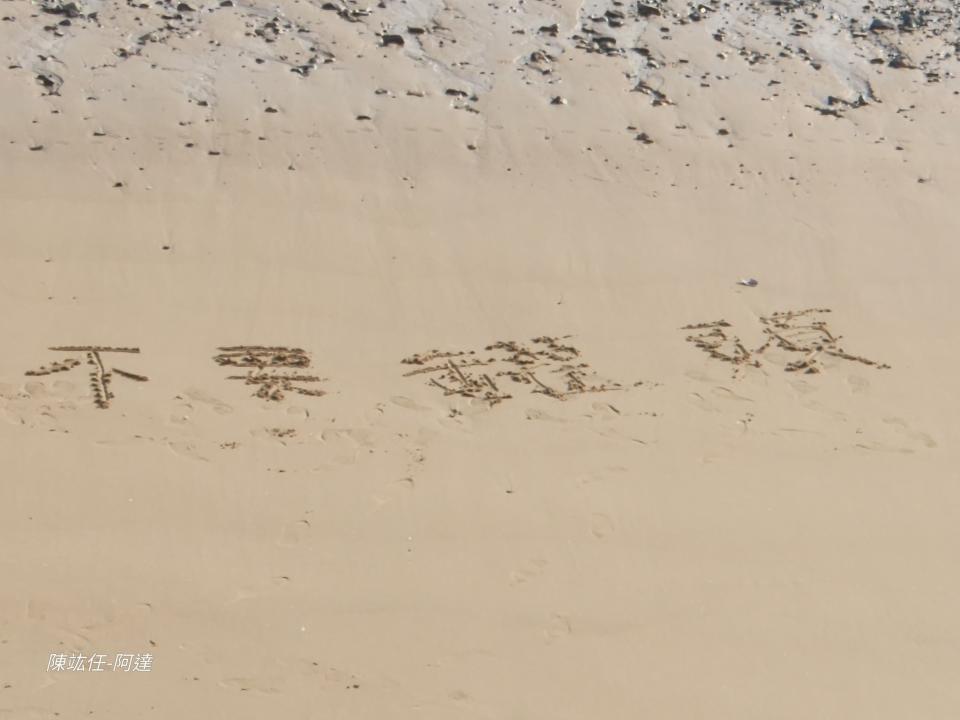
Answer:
(702, 543)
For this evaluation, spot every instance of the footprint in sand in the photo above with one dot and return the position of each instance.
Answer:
(605, 410)
(530, 571)
(904, 429)
(824, 410)
(558, 627)
(248, 685)
(728, 394)
(31, 713)
(292, 534)
(347, 444)
(857, 384)
(802, 387)
(708, 402)
(186, 449)
(601, 525)
(10, 392)
(298, 411)
(537, 414)
(215, 404)
(261, 589)
(358, 437)
(36, 390)
(408, 404)
(700, 376)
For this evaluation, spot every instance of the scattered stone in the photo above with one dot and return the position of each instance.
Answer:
(58, 7)
(558, 100)
(387, 40)
(51, 82)
(880, 25)
(644, 10)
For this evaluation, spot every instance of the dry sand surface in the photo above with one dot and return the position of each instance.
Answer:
(447, 401)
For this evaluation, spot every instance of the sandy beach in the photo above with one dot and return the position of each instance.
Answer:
(440, 360)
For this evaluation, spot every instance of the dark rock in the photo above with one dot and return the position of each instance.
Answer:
(901, 62)
(389, 39)
(58, 7)
(644, 10)
(879, 25)
(51, 82)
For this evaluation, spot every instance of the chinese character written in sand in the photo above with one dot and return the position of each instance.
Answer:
(265, 372)
(799, 340)
(547, 366)
(100, 377)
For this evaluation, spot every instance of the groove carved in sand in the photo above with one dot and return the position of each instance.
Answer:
(100, 377)
(800, 338)
(265, 362)
(547, 366)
